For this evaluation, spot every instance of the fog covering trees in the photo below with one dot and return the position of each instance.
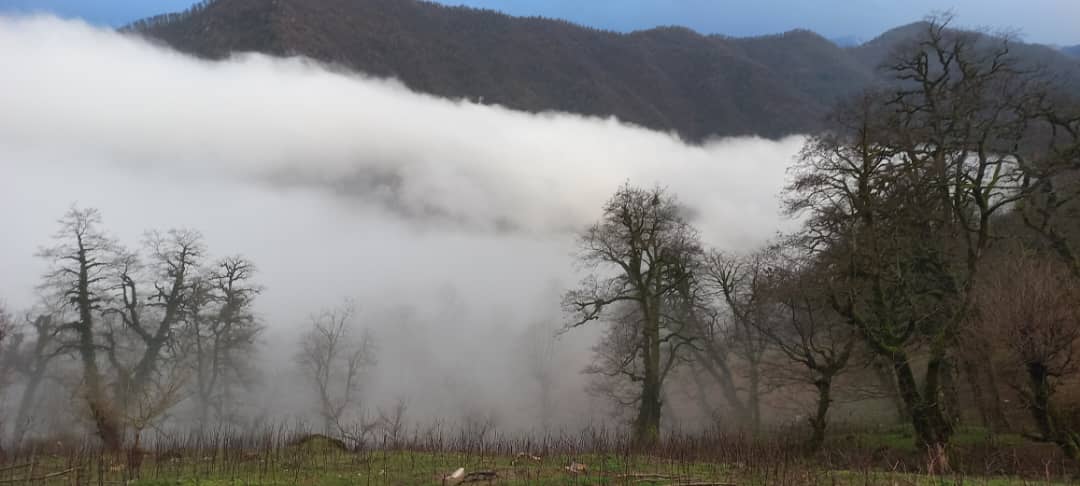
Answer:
(936, 237)
(141, 323)
(901, 201)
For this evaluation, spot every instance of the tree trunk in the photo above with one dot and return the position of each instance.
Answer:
(950, 392)
(932, 430)
(101, 411)
(105, 420)
(647, 425)
(1043, 413)
(819, 420)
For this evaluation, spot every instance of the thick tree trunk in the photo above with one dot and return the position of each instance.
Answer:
(105, 420)
(1043, 413)
(819, 420)
(950, 392)
(932, 429)
(647, 425)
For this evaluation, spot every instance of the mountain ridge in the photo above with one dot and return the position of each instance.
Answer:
(666, 78)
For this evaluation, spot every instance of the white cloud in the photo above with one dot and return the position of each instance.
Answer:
(337, 184)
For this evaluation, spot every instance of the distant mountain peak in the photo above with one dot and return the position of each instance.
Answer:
(666, 78)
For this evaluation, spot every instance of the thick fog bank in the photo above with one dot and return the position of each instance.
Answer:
(450, 223)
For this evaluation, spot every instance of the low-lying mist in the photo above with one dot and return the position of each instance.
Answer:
(450, 223)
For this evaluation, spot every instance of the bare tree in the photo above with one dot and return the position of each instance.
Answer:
(219, 334)
(334, 355)
(153, 312)
(1031, 305)
(1052, 179)
(82, 258)
(131, 310)
(790, 310)
(643, 250)
(902, 196)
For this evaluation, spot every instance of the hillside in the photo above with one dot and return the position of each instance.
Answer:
(670, 79)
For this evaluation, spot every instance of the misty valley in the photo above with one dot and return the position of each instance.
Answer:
(269, 243)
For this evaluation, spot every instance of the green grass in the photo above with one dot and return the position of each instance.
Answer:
(324, 462)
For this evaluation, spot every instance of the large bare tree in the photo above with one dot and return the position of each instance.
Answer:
(129, 313)
(641, 252)
(902, 195)
(82, 262)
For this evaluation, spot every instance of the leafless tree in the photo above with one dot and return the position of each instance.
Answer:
(334, 354)
(901, 198)
(1031, 306)
(130, 312)
(642, 250)
(1052, 179)
(82, 260)
(789, 310)
(153, 299)
(219, 334)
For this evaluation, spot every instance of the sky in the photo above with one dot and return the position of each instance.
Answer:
(1042, 21)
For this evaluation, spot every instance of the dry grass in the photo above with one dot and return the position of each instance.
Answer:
(285, 457)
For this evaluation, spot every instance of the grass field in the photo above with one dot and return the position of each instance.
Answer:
(313, 460)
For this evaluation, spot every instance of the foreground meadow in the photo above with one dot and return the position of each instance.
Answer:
(594, 458)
